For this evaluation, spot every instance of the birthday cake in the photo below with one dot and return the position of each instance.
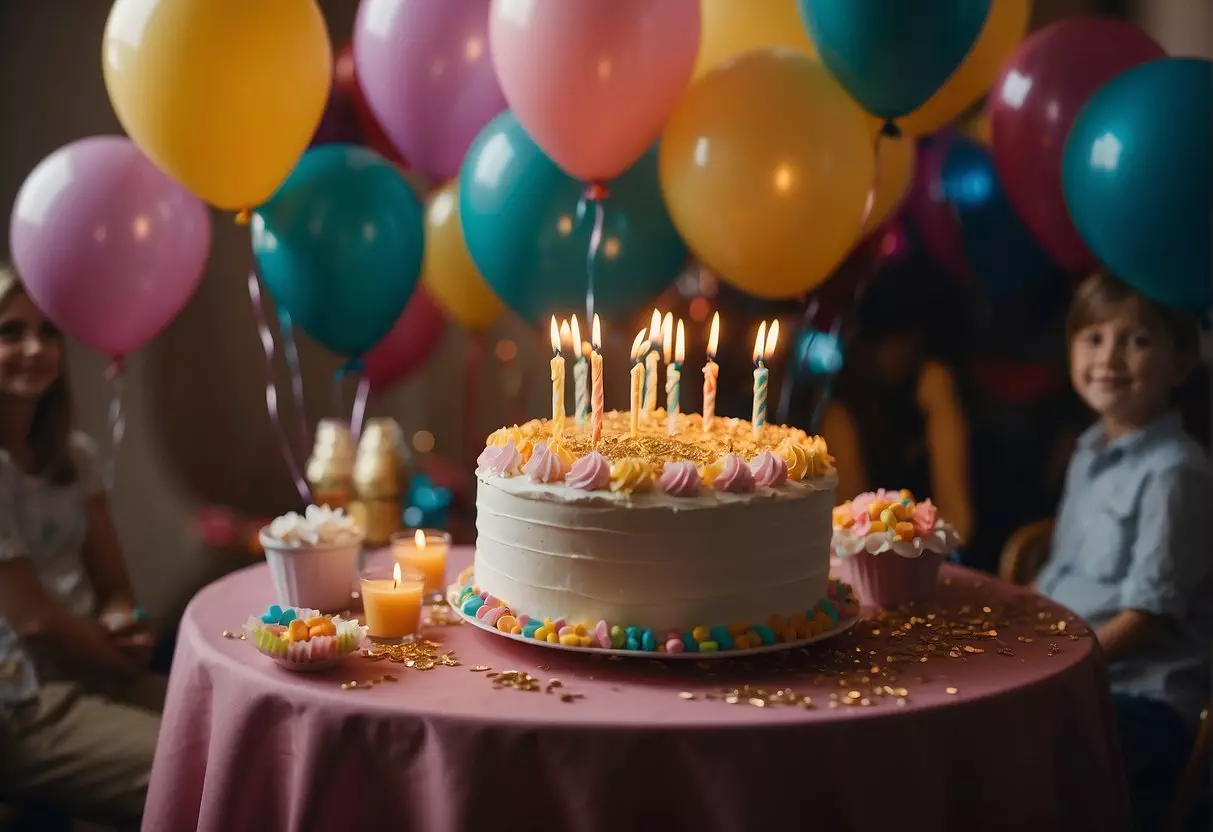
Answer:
(672, 538)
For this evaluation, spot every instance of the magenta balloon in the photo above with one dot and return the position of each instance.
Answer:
(417, 333)
(1032, 106)
(931, 212)
(108, 246)
(424, 67)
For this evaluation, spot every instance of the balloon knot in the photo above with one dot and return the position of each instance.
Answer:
(353, 366)
(890, 130)
(117, 367)
(242, 216)
(596, 192)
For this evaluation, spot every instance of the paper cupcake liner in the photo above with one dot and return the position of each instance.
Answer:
(889, 580)
(265, 638)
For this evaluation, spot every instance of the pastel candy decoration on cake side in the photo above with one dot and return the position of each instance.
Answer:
(890, 546)
(769, 470)
(548, 463)
(500, 460)
(679, 479)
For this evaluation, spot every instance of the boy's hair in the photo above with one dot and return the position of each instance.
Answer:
(50, 434)
(1099, 296)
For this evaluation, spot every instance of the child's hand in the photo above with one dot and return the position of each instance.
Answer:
(137, 646)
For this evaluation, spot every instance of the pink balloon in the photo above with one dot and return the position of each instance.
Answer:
(931, 212)
(416, 334)
(108, 246)
(424, 67)
(1032, 106)
(593, 81)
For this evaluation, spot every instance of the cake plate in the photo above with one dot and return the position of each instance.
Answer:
(842, 626)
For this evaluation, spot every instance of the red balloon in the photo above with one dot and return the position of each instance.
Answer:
(1032, 106)
(416, 334)
(932, 213)
(345, 80)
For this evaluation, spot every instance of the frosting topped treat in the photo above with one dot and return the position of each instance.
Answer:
(884, 521)
(317, 526)
(729, 457)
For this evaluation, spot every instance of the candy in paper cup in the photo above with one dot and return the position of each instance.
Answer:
(313, 654)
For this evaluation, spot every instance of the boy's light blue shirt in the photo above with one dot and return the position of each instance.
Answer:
(1135, 531)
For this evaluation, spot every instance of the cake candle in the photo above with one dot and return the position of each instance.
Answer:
(637, 379)
(650, 363)
(764, 347)
(557, 382)
(596, 398)
(581, 393)
(711, 372)
(673, 376)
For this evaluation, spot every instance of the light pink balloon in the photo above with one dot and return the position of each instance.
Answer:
(108, 246)
(593, 81)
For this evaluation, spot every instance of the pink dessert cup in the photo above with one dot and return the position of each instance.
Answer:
(312, 576)
(887, 579)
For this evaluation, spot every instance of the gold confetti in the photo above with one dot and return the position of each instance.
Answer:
(229, 634)
(758, 702)
(571, 697)
(480, 668)
(951, 691)
(420, 655)
(686, 694)
(901, 702)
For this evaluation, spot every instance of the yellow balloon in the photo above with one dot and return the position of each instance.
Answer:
(730, 27)
(895, 174)
(1003, 30)
(447, 271)
(765, 166)
(223, 95)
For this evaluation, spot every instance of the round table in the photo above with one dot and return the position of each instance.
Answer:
(989, 711)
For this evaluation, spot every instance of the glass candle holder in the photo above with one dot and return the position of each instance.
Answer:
(391, 601)
(424, 550)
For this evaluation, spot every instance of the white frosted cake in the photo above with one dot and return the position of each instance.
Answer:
(696, 541)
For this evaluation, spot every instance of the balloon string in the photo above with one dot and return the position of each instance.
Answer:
(116, 377)
(291, 353)
(271, 392)
(591, 257)
(358, 414)
(861, 285)
(475, 358)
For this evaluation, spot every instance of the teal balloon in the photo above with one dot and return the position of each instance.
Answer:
(339, 246)
(523, 230)
(1136, 174)
(892, 55)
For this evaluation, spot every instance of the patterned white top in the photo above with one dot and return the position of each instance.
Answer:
(46, 523)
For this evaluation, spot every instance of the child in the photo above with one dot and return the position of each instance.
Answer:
(1133, 546)
(79, 713)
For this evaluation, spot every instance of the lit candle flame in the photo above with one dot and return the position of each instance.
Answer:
(667, 336)
(596, 334)
(566, 338)
(396, 575)
(714, 338)
(772, 340)
(419, 539)
(555, 337)
(655, 330)
(575, 338)
(760, 342)
(638, 346)
(680, 344)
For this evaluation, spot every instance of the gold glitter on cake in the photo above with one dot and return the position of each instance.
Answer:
(689, 442)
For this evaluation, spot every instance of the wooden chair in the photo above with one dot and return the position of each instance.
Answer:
(1023, 555)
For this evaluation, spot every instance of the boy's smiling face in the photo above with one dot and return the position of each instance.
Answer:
(1125, 368)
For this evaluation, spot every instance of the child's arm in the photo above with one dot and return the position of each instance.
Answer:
(103, 558)
(1170, 560)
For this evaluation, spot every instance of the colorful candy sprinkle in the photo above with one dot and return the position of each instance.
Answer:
(648, 641)
(619, 637)
(473, 603)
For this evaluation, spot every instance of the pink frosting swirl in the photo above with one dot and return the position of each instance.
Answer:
(769, 470)
(679, 479)
(545, 465)
(736, 476)
(590, 473)
(924, 518)
(502, 460)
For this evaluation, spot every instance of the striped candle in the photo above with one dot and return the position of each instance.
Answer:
(673, 377)
(581, 392)
(650, 363)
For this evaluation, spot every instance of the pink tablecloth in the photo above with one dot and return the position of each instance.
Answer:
(1012, 734)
